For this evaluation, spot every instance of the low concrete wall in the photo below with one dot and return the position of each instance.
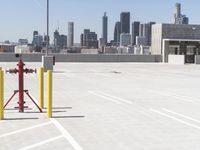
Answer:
(176, 59)
(83, 58)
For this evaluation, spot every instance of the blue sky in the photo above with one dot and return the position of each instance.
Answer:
(19, 18)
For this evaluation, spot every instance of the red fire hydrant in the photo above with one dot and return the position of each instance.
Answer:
(21, 90)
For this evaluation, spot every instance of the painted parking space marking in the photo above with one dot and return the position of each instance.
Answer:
(42, 143)
(174, 118)
(66, 134)
(105, 97)
(168, 94)
(183, 116)
(117, 98)
(25, 129)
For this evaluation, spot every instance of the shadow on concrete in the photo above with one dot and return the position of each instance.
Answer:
(58, 71)
(10, 119)
(68, 116)
(17, 109)
(60, 108)
(33, 112)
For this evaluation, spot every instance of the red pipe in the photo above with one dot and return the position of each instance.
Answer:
(21, 85)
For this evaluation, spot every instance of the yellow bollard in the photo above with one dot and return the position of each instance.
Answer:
(41, 87)
(1, 95)
(49, 93)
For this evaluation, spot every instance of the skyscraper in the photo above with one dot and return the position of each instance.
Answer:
(63, 41)
(60, 41)
(125, 22)
(135, 31)
(141, 30)
(70, 34)
(150, 32)
(37, 39)
(178, 17)
(35, 33)
(125, 39)
(105, 28)
(117, 32)
(89, 39)
(145, 31)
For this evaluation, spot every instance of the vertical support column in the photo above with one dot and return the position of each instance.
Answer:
(49, 93)
(41, 88)
(1, 95)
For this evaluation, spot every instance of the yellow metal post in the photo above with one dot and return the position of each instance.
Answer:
(49, 93)
(41, 87)
(1, 95)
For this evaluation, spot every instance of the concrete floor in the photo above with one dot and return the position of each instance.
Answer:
(105, 106)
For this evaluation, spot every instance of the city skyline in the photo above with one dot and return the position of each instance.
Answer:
(24, 16)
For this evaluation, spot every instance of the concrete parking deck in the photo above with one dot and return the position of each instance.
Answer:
(108, 106)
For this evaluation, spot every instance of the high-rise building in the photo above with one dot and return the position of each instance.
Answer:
(117, 32)
(141, 30)
(89, 39)
(81, 39)
(56, 40)
(125, 39)
(70, 34)
(63, 41)
(135, 31)
(178, 17)
(105, 28)
(145, 32)
(125, 22)
(60, 41)
(140, 40)
(150, 32)
(37, 39)
(23, 42)
(84, 37)
(35, 33)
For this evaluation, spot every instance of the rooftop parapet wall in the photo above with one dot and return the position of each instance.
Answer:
(83, 58)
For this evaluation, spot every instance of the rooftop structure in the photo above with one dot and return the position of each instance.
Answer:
(176, 39)
(108, 106)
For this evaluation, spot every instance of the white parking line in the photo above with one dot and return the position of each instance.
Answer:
(174, 118)
(189, 118)
(25, 129)
(42, 143)
(107, 98)
(182, 97)
(66, 134)
(166, 93)
(117, 98)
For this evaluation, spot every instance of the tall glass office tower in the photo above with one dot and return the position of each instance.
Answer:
(125, 22)
(105, 28)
